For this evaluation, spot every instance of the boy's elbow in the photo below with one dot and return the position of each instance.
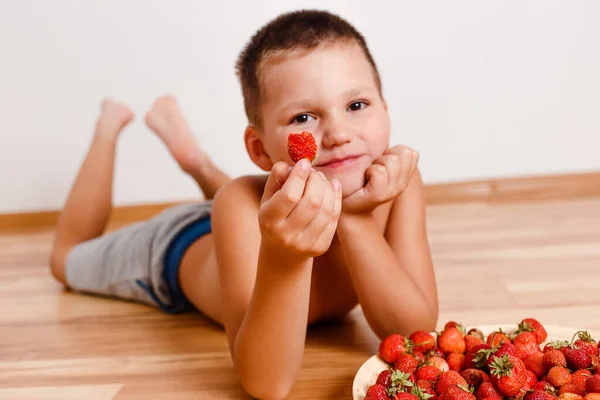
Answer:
(264, 389)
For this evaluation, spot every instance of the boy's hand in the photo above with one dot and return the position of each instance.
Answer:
(387, 178)
(299, 209)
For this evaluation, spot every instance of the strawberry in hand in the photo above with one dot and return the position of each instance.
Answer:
(302, 145)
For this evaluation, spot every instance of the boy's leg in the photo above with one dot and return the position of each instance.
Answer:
(198, 273)
(166, 120)
(89, 203)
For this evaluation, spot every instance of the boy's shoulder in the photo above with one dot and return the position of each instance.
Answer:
(244, 190)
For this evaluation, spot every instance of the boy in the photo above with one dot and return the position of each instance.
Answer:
(267, 256)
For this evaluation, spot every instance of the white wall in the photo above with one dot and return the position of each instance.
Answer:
(481, 89)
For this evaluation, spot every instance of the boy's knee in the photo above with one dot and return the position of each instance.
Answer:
(58, 261)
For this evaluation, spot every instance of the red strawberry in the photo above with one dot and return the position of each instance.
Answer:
(448, 379)
(406, 363)
(391, 347)
(420, 357)
(571, 388)
(475, 377)
(475, 332)
(437, 352)
(532, 325)
(456, 392)
(539, 395)
(508, 374)
(544, 386)
(404, 396)
(401, 382)
(596, 364)
(456, 361)
(302, 145)
(495, 338)
(580, 377)
(439, 363)
(488, 391)
(376, 392)
(587, 343)
(477, 356)
(424, 384)
(385, 378)
(559, 376)
(593, 384)
(471, 341)
(530, 379)
(577, 358)
(535, 363)
(555, 345)
(553, 358)
(526, 343)
(428, 373)
(506, 348)
(452, 340)
(422, 341)
(454, 324)
(570, 396)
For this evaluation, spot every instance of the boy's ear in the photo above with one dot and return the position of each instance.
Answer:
(256, 149)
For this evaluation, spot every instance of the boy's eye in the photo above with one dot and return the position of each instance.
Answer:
(357, 105)
(301, 119)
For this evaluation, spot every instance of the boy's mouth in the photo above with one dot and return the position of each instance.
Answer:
(339, 162)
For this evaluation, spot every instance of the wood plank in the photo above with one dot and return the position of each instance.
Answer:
(71, 392)
(496, 263)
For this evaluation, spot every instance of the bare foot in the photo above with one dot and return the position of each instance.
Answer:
(166, 120)
(113, 118)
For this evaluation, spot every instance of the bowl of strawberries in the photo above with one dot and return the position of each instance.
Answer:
(523, 361)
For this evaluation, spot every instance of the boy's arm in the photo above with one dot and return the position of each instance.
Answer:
(393, 273)
(265, 288)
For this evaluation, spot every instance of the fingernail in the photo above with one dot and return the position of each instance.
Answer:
(304, 164)
(336, 184)
(322, 175)
(289, 168)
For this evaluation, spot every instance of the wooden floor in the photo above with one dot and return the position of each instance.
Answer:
(495, 264)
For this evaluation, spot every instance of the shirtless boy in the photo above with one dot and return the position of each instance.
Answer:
(267, 256)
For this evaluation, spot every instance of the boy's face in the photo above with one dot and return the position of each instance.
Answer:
(331, 92)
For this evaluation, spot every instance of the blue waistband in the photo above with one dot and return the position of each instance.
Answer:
(173, 257)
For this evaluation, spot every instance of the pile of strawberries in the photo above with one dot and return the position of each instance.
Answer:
(459, 365)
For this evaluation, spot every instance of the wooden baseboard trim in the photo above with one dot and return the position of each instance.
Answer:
(48, 219)
(504, 190)
(521, 189)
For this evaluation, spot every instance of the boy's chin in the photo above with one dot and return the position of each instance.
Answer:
(351, 184)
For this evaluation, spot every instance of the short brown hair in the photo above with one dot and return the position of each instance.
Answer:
(305, 29)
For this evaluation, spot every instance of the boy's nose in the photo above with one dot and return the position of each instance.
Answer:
(336, 134)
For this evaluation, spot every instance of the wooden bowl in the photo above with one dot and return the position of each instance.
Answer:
(367, 374)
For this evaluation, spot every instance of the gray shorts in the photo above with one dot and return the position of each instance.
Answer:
(140, 262)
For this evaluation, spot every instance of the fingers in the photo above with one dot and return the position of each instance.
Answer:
(323, 216)
(324, 240)
(393, 167)
(277, 177)
(408, 165)
(377, 181)
(310, 203)
(292, 190)
(401, 163)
